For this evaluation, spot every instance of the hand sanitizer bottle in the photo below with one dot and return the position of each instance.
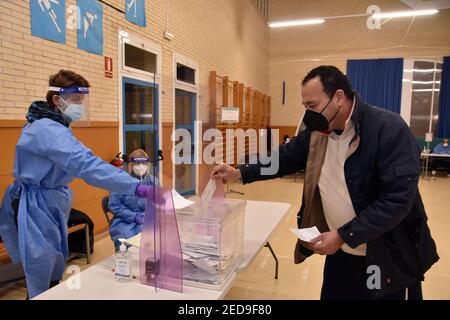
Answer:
(123, 263)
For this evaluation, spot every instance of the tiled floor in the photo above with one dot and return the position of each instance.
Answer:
(304, 281)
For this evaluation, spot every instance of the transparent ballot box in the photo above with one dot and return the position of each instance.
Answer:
(212, 241)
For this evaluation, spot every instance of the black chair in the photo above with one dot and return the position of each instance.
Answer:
(80, 235)
(105, 207)
(107, 212)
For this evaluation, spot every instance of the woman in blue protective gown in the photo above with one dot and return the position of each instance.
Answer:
(128, 210)
(36, 207)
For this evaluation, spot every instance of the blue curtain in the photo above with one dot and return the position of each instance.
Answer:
(444, 101)
(378, 81)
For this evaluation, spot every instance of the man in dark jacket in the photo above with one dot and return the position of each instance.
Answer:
(362, 166)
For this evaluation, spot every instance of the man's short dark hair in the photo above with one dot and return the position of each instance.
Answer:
(332, 80)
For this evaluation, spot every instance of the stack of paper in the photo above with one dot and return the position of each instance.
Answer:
(134, 241)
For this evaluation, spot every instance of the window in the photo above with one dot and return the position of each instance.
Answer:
(186, 81)
(185, 74)
(140, 123)
(140, 59)
(139, 102)
(425, 85)
(185, 107)
(140, 78)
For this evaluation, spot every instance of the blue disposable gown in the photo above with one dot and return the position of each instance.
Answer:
(125, 208)
(440, 149)
(48, 158)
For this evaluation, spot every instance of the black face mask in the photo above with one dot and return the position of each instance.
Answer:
(316, 121)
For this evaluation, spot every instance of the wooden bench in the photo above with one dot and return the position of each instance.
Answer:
(4, 257)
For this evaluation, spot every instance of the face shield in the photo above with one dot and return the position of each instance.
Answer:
(140, 167)
(73, 103)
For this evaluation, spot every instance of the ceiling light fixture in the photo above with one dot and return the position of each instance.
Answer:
(401, 14)
(294, 23)
(305, 22)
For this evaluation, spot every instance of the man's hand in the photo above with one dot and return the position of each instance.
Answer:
(327, 243)
(224, 171)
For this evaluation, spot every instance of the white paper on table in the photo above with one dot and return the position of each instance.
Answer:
(134, 241)
(306, 234)
(208, 193)
(180, 202)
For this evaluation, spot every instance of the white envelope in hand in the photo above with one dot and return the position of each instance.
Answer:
(208, 193)
(306, 234)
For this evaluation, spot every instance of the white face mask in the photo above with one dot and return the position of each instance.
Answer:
(445, 145)
(140, 169)
(74, 111)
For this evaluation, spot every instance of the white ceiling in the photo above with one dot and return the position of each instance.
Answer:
(427, 4)
(299, 9)
(344, 37)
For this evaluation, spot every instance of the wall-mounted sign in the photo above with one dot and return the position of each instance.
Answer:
(108, 67)
(135, 12)
(230, 115)
(48, 19)
(90, 26)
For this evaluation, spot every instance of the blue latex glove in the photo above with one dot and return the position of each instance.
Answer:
(141, 191)
(139, 218)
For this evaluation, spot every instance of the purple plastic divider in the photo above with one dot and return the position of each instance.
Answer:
(171, 254)
(161, 261)
(149, 261)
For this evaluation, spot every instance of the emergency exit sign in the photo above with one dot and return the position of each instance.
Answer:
(108, 67)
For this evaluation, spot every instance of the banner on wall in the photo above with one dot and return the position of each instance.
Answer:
(48, 19)
(135, 12)
(90, 26)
